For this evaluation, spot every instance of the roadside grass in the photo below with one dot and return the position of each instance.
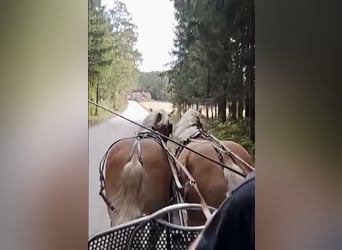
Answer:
(103, 115)
(237, 130)
(232, 130)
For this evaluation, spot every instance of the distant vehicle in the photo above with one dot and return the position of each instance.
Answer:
(141, 96)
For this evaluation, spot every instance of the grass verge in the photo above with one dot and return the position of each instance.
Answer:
(234, 130)
(103, 115)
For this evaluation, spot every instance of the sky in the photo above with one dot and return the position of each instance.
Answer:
(156, 22)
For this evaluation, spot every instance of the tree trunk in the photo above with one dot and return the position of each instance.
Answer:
(212, 111)
(208, 83)
(97, 97)
(216, 111)
(207, 111)
(178, 108)
(222, 106)
(251, 75)
(247, 106)
(229, 104)
(234, 109)
(240, 109)
(252, 112)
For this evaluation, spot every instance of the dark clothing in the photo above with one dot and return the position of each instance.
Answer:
(232, 227)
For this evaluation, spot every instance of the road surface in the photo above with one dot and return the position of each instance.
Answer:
(101, 136)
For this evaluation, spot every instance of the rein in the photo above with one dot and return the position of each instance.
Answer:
(102, 178)
(192, 182)
(139, 136)
(169, 139)
(157, 136)
(222, 148)
(148, 135)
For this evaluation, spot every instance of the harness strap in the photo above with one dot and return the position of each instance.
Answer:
(192, 183)
(233, 155)
(187, 141)
(175, 173)
(136, 146)
(219, 155)
(101, 172)
(215, 143)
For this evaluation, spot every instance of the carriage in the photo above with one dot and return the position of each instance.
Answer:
(165, 227)
(137, 234)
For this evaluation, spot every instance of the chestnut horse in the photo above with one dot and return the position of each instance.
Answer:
(137, 173)
(214, 182)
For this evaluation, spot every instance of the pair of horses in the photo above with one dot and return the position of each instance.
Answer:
(137, 173)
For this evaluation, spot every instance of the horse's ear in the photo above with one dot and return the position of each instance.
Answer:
(158, 120)
(172, 112)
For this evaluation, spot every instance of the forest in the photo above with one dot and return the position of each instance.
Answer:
(213, 62)
(155, 83)
(112, 59)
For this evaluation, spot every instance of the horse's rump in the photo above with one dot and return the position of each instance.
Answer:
(195, 162)
(202, 169)
(213, 181)
(139, 184)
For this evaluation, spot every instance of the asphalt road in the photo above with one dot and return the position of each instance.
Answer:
(101, 136)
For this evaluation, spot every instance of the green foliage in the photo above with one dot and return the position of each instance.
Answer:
(156, 84)
(112, 59)
(235, 130)
(214, 53)
(102, 115)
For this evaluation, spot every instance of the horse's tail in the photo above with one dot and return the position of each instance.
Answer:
(132, 175)
(128, 201)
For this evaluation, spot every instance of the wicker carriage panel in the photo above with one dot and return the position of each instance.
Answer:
(145, 235)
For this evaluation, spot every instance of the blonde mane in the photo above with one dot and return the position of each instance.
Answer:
(150, 119)
(187, 126)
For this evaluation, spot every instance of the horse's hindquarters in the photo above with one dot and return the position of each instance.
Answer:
(208, 176)
(157, 177)
(139, 185)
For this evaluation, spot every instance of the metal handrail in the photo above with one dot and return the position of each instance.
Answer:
(155, 215)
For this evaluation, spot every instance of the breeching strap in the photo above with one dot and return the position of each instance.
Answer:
(193, 183)
(234, 155)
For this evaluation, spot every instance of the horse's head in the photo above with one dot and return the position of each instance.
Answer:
(159, 120)
(188, 125)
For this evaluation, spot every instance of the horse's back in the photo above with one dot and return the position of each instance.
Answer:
(151, 153)
(239, 150)
(209, 176)
(158, 177)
